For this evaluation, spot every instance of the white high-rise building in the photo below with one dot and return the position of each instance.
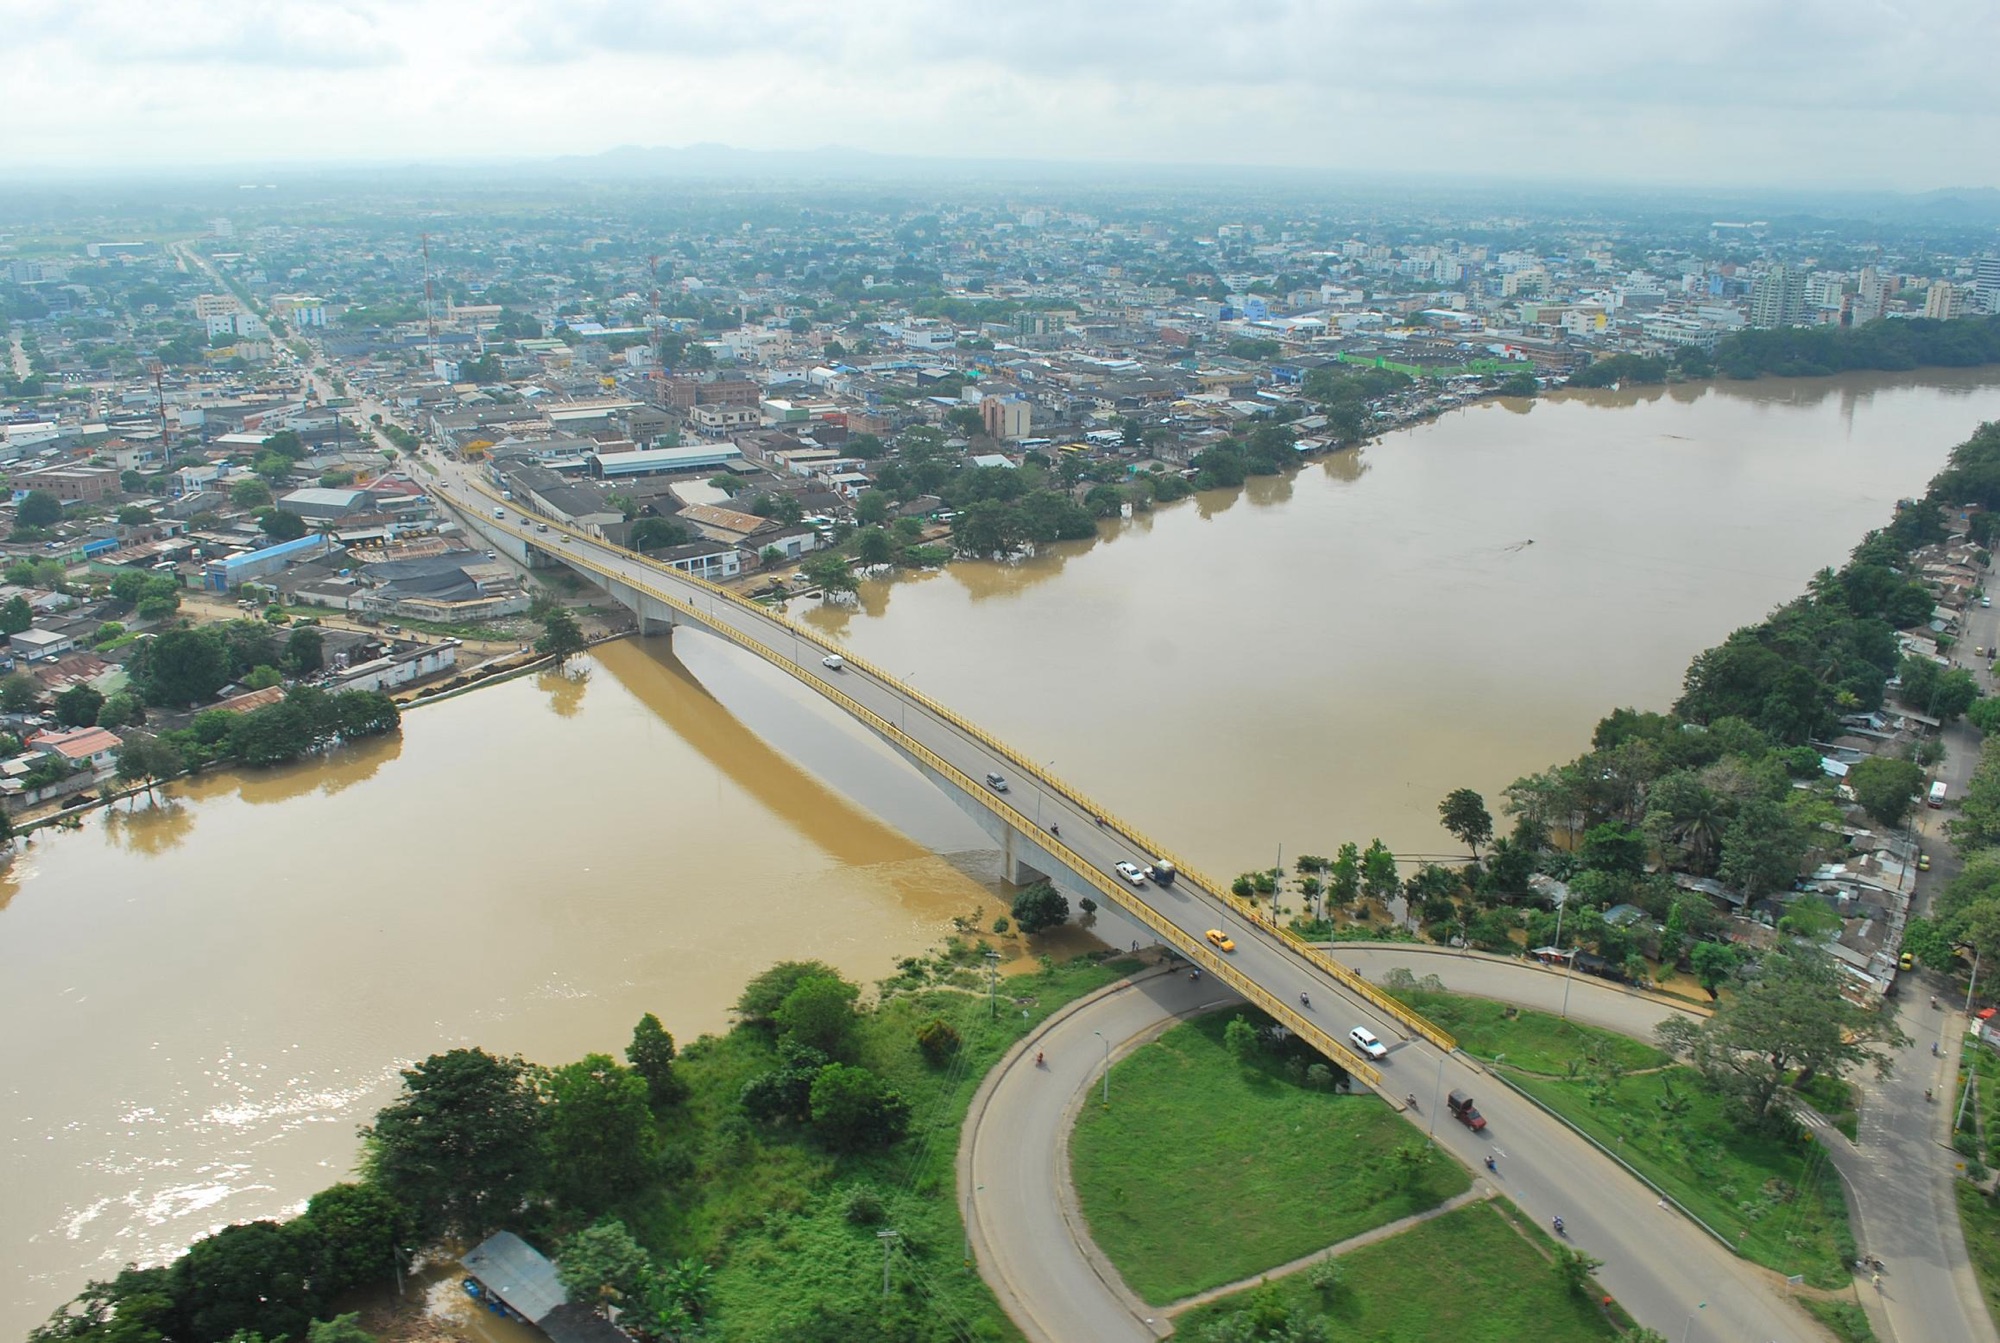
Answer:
(1986, 283)
(1941, 301)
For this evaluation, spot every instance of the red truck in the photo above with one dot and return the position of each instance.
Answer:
(1464, 1111)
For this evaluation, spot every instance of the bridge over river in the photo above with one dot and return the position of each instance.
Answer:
(1666, 1272)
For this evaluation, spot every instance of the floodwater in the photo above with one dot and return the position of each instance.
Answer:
(205, 998)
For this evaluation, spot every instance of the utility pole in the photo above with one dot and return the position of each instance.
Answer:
(888, 1239)
(1107, 1069)
(993, 984)
(430, 306)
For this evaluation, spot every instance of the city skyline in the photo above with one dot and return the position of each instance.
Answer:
(1859, 98)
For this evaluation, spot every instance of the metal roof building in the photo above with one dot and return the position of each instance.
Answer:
(662, 461)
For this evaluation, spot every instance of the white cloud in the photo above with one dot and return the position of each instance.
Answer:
(1866, 92)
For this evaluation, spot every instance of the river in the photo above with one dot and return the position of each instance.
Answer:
(206, 997)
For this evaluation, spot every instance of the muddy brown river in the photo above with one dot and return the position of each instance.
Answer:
(204, 998)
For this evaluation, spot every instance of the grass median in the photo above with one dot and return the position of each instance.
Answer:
(1536, 1041)
(1474, 1275)
(1774, 1195)
(1206, 1168)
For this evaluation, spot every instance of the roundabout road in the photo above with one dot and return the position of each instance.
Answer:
(1034, 1250)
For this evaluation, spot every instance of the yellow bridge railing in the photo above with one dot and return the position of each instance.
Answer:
(1196, 951)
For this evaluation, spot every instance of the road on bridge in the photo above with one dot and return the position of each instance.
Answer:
(1666, 1272)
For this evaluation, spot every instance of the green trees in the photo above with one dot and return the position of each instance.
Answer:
(358, 1234)
(146, 761)
(562, 638)
(651, 1055)
(254, 1277)
(1378, 871)
(1343, 877)
(38, 509)
(304, 651)
(182, 666)
(1787, 1017)
(1573, 1269)
(937, 1040)
(829, 572)
(16, 615)
(1886, 787)
(873, 508)
(281, 524)
(602, 1265)
(600, 1133)
(818, 1013)
(1039, 908)
(1816, 351)
(657, 533)
(852, 1108)
(250, 493)
(461, 1147)
(1943, 693)
(1464, 814)
(757, 1006)
(872, 545)
(78, 706)
(306, 720)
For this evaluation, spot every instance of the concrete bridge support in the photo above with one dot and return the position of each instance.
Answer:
(1023, 859)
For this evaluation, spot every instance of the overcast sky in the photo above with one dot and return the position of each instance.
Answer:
(1821, 93)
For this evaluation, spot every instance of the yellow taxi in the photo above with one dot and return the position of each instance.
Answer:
(1221, 939)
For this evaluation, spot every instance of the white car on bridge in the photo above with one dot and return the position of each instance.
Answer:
(1131, 873)
(1365, 1042)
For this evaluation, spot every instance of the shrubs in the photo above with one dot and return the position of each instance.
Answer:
(938, 1040)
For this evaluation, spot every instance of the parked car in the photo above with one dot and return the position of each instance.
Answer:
(1131, 873)
(1222, 940)
(1364, 1041)
(996, 782)
(1923, 862)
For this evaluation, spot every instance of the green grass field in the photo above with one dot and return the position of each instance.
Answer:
(1537, 1041)
(1204, 1170)
(1779, 1201)
(1980, 1217)
(1847, 1320)
(1471, 1276)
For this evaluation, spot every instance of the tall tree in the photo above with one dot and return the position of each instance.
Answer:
(600, 1133)
(1378, 871)
(562, 638)
(1343, 876)
(1886, 787)
(38, 508)
(602, 1265)
(819, 1013)
(1039, 908)
(651, 1055)
(462, 1146)
(1465, 816)
(78, 705)
(1786, 1017)
(253, 1277)
(853, 1108)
